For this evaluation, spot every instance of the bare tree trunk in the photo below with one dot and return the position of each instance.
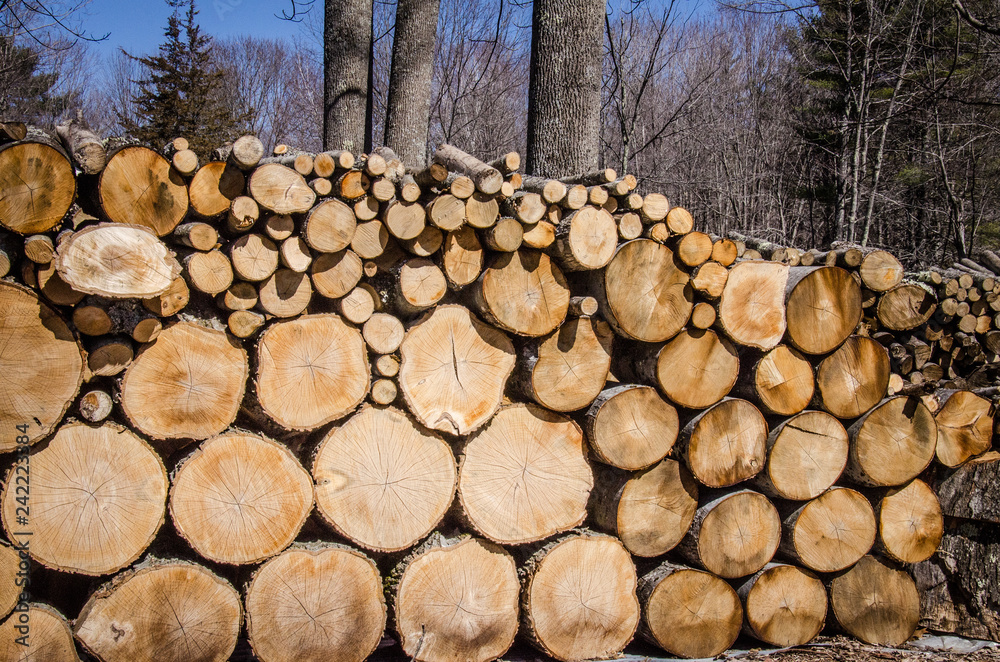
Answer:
(409, 103)
(346, 52)
(564, 93)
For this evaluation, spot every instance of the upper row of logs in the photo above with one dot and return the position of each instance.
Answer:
(679, 385)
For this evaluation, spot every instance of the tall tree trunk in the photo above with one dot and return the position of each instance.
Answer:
(346, 52)
(409, 104)
(564, 93)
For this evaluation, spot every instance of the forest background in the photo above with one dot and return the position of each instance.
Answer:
(874, 122)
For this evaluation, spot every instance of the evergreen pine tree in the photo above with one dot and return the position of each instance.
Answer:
(27, 85)
(180, 95)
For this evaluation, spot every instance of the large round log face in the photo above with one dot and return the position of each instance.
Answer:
(806, 455)
(697, 368)
(784, 605)
(525, 293)
(726, 444)
(892, 443)
(315, 604)
(656, 509)
(139, 186)
(875, 602)
(734, 535)
(823, 307)
(42, 366)
(783, 381)
(831, 532)
(106, 481)
(38, 187)
(572, 365)
(854, 378)
(752, 307)
(910, 523)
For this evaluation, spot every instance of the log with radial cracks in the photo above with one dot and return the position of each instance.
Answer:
(965, 426)
(854, 378)
(139, 186)
(525, 476)
(875, 602)
(784, 605)
(822, 308)
(168, 611)
(310, 371)
(578, 599)
(383, 480)
(805, 455)
(455, 600)
(644, 295)
(830, 532)
(631, 427)
(752, 306)
(454, 369)
(650, 511)
(781, 381)
(688, 612)
(189, 384)
(315, 602)
(49, 636)
(240, 498)
(725, 444)
(910, 522)
(523, 292)
(37, 186)
(892, 443)
(97, 498)
(116, 260)
(41, 363)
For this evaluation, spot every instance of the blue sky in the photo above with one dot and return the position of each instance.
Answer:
(137, 25)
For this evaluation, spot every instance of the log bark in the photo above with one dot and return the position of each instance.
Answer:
(752, 306)
(487, 178)
(828, 533)
(223, 495)
(523, 293)
(455, 599)
(188, 385)
(892, 443)
(84, 146)
(138, 186)
(347, 49)
(689, 613)
(415, 484)
(910, 523)
(26, 167)
(524, 477)
(805, 456)
(125, 484)
(578, 598)
(783, 605)
(631, 427)
(289, 616)
(853, 379)
(725, 444)
(875, 602)
(822, 308)
(168, 609)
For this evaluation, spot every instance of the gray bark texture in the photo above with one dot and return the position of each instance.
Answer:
(409, 104)
(346, 52)
(564, 92)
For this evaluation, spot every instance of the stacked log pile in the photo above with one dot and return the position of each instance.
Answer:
(304, 398)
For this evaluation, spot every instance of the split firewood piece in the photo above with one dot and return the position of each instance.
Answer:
(649, 511)
(405, 220)
(462, 258)
(687, 612)
(805, 456)
(420, 285)
(631, 427)
(780, 381)
(254, 257)
(822, 308)
(116, 260)
(49, 636)
(285, 293)
(213, 189)
(525, 475)
(187, 385)
(200, 236)
(336, 274)
(240, 498)
(105, 480)
(383, 480)
(310, 371)
(454, 370)
(725, 444)
(784, 605)
(892, 443)
(455, 599)
(910, 522)
(734, 534)
(523, 293)
(642, 292)
(383, 333)
(854, 378)
(586, 239)
(875, 602)
(25, 169)
(965, 425)
(880, 270)
(314, 602)
(579, 598)
(139, 186)
(906, 306)
(210, 272)
(329, 226)
(828, 533)
(281, 189)
(42, 365)
(695, 369)
(752, 306)
(566, 370)
(486, 178)
(167, 609)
